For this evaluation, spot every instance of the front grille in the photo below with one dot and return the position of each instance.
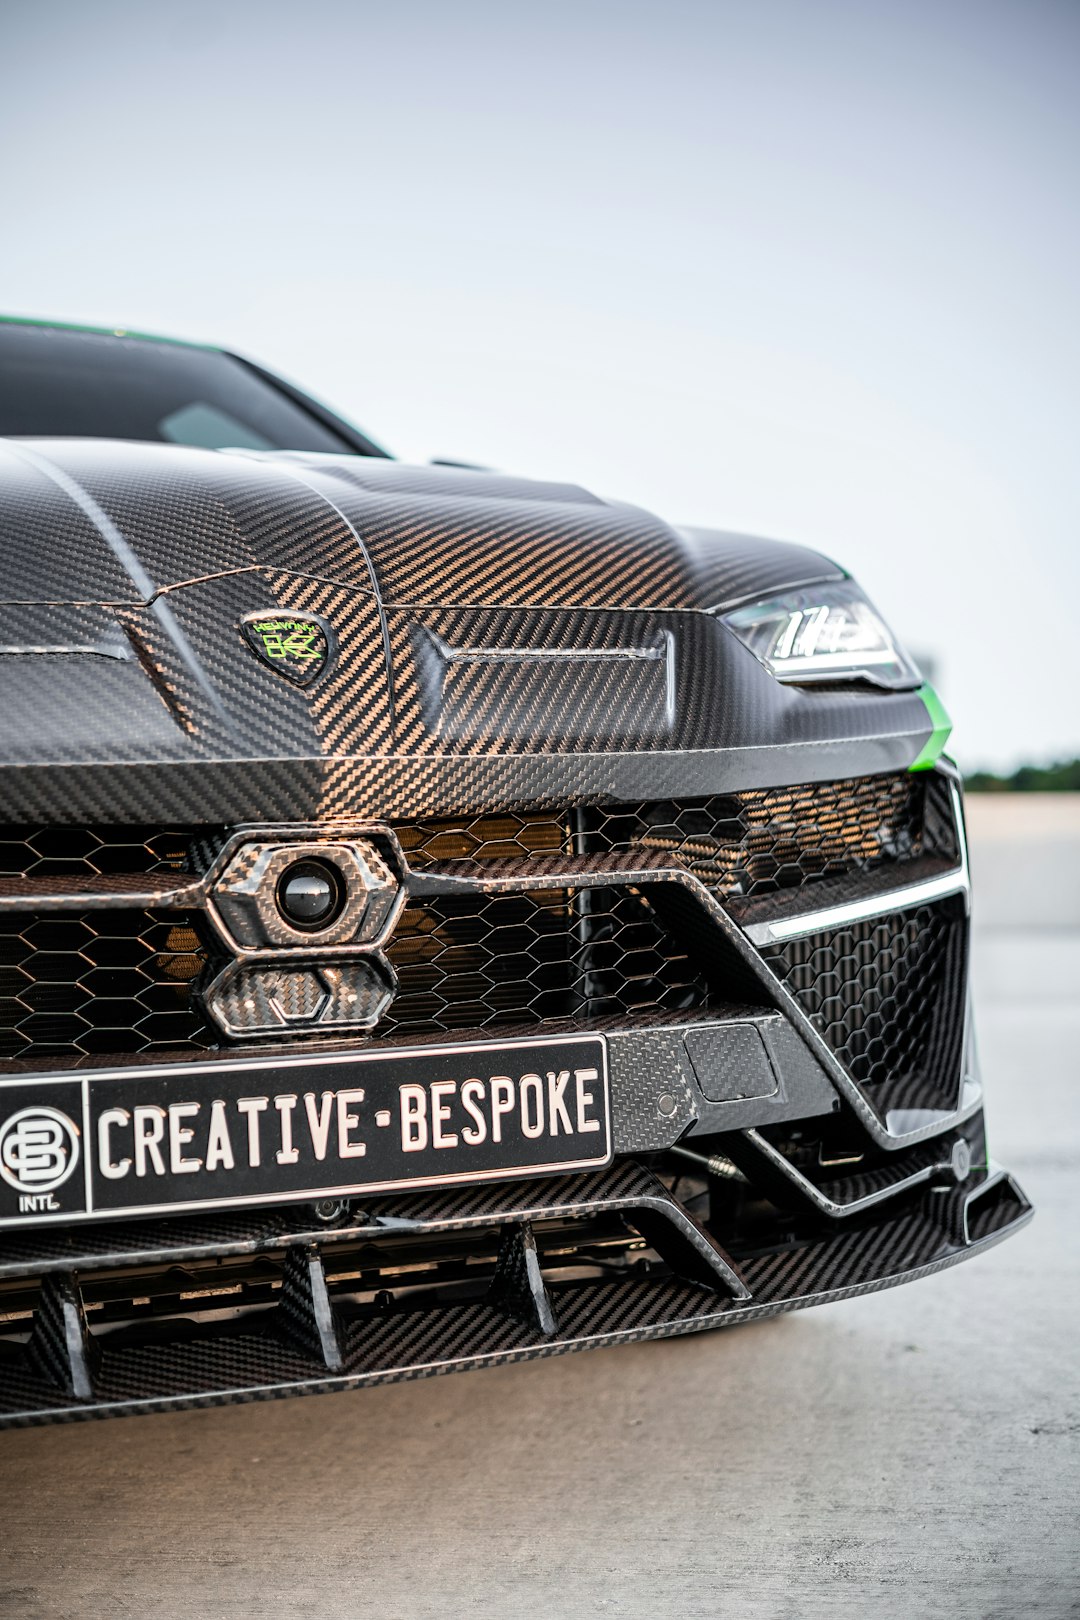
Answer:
(75, 984)
(888, 997)
(433, 839)
(100, 981)
(113, 981)
(38, 852)
(741, 844)
(471, 961)
(779, 839)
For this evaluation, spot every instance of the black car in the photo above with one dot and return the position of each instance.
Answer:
(445, 918)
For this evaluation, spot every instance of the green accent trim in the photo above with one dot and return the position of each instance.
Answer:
(940, 727)
(107, 331)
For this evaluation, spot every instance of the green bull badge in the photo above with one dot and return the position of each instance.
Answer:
(300, 646)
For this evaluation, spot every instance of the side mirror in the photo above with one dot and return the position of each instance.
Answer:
(468, 466)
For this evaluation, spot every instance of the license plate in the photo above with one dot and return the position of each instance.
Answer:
(181, 1136)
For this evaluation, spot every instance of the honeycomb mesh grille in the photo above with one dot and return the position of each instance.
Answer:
(472, 961)
(888, 996)
(30, 851)
(99, 982)
(744, 844)
(484, 838)
(120, 981)
(77, 984)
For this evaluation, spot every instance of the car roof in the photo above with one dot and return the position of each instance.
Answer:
(352, 436)
(107, 331)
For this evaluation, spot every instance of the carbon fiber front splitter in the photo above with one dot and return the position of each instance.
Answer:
(307, 1342)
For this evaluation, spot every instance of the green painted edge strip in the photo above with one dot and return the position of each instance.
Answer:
(105, 331)
(940, 727)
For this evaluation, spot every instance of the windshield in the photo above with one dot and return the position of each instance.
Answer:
(60, 384)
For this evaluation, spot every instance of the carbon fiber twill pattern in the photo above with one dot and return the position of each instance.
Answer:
(352, 706)
(183, 543)
(851, 1188)
(992, 1210)
(792, 1168)
(508, 549)
(255, 1361)
(52, 550)
(328, 998)
(593, 783)
(263, 715)
(211, 1372)
(88, 894)
(305, 1318)
(517, 1287)
(469, 960)
(553, 679)
(437, 481)
(450, 1209)
(516, 543)
(173, 1241)
(940, 835)
(497, 681)
(46, 629)
(187, 515)
(623, 1186)
(60, 1349)
(731, 1063)
(177, 785)
(650, 1071)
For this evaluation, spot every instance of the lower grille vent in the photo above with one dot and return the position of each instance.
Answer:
(888, 996)
(98, 982)
(472, 961)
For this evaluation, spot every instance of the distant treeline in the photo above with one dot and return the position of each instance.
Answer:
(1061, 778)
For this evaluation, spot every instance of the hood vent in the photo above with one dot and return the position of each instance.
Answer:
(587, 694)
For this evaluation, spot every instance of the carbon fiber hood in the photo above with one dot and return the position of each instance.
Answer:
(411, 535)
(477, 618)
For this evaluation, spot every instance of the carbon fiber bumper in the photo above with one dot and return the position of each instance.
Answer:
(796, 1117)
(314, 1318)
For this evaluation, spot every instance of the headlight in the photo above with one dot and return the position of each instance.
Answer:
(823, 633)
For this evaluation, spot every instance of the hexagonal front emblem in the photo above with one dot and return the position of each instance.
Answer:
(304, 894)
(324, 998)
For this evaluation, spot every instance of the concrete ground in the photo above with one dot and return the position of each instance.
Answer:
(912, 1454)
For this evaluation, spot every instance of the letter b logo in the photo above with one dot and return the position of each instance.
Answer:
(39, 1149)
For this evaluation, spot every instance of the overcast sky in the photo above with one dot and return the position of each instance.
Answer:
(805, 269)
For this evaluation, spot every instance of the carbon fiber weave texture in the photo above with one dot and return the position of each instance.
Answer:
(185, 542)
(52, 550)
(254, 1364)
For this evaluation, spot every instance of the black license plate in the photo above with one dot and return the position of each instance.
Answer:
(208, 1135)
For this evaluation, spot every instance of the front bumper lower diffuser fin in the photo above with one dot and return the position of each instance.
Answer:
(311, 1338)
